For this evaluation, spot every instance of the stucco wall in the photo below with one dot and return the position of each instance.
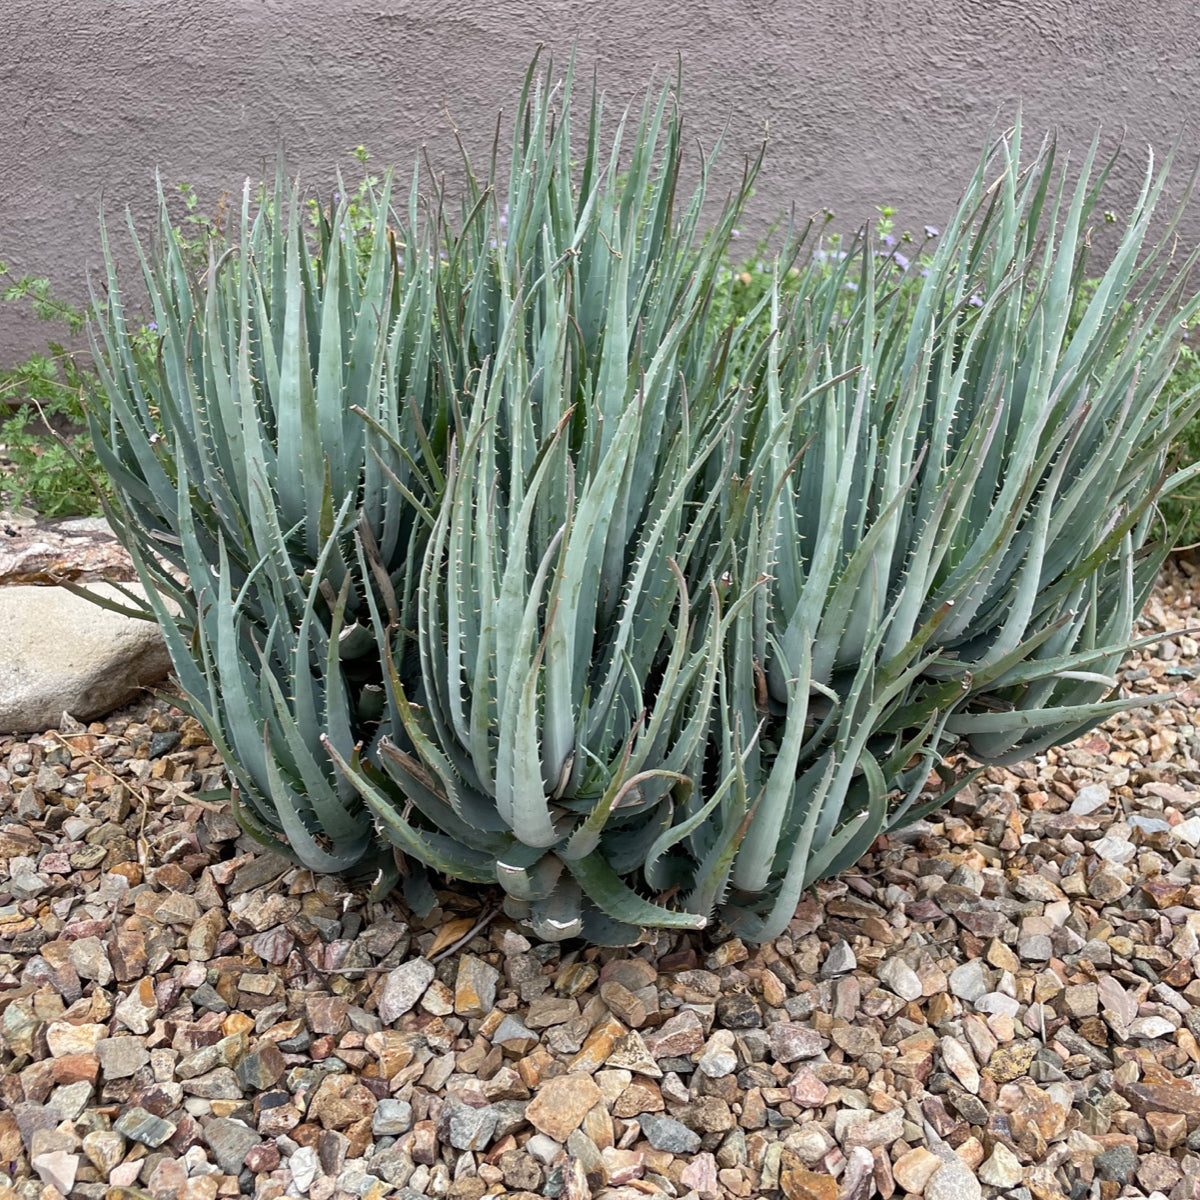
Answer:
(867, 101)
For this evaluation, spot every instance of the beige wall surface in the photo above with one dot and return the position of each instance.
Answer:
(867, 102)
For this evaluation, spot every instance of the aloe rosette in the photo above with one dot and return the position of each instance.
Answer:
(973, 503)
(237, 442)
(568, 634)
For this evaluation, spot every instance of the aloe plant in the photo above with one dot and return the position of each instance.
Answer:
(568, 638)
(280, 467)
(505, 551)
(967, 469)
(974, 503)
(240, 461)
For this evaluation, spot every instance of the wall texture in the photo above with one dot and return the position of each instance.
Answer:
(867, 101)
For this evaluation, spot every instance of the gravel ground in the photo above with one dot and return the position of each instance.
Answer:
(1002, 999)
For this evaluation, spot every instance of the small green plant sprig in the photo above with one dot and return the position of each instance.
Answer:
(360, 204)
(744, 284)
(48, 464)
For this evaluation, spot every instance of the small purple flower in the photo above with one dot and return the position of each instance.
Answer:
(976, 301)
(901, 261)
(924, 272)
(152, 326)
(888, 240)
(735, 233)
(930, 232)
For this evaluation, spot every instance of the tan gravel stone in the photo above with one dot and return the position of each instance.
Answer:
(65, 1038)
(560, 1104)
(202, 938)
(1177, 1096)
(641, 1096)
(475, 987)
(912, 1170)
(1169, 1129)
(958, 1060)
(1002, 1169)
(598, 1047)
(799, 1183)
(625, 1005)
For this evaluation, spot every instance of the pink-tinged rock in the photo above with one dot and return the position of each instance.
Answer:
(1116, 1001)
(806, 1089)
(791, 1042)
(682, 1035)
(981, 1039)
(700, 1175)
(125, 1174)
(959, 1062)
(57, 1169)
(858, 1179)
(623, 1166)
(167, 1177)
(193, 975)
(262, 1159)
(274, 945)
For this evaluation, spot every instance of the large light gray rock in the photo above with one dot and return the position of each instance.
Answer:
(61, 653)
